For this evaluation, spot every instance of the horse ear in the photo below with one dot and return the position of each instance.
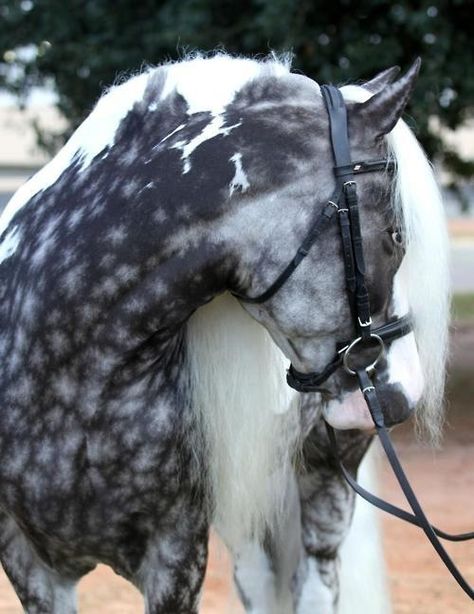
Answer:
(383, 78)
(381, 112)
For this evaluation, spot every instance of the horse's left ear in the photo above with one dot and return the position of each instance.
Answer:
(381, 112)
(382, 79)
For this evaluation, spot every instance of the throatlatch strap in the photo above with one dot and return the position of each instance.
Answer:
(301, 253)
(418, 518)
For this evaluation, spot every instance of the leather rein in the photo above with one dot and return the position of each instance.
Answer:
(344, 203)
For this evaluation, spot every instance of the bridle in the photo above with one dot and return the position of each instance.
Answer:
(344, 204)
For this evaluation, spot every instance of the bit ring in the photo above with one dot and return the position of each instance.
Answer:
(370, 367)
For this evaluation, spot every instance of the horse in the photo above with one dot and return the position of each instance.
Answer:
(143, 398)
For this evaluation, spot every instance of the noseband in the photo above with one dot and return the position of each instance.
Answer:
(344, 203)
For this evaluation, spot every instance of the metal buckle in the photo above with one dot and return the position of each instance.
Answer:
(369, 368)
(366, 323)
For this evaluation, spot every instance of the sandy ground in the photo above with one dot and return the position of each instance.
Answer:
(444, 482)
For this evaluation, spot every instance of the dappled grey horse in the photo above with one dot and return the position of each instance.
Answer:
(133, 413)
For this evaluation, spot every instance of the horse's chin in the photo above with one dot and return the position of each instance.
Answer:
(352, 413)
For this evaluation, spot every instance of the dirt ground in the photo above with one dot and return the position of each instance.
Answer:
(419, 583)
(444, 483)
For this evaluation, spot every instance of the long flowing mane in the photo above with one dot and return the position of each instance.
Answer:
(247, 416)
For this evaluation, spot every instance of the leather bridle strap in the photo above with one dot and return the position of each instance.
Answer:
(315, 231)
(418, 518)
(312, 382)
(385, 506)
(348, 210)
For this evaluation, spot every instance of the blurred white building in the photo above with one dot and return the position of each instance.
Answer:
(20, 156)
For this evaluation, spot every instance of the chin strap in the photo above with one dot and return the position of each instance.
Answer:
(418, 517)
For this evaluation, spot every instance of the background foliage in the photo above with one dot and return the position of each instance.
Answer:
(81, 46)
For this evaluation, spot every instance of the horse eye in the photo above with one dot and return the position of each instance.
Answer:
(397, 237)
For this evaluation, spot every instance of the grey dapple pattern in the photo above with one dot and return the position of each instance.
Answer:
(103, 264)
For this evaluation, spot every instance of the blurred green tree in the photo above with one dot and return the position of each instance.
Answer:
(81, 46)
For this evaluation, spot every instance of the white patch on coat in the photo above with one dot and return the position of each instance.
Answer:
(9, 244)
(256, 579)
(239, 182)
(100, 127)
(404, 366)
(315, 596)
(165, 138)
(213, 129)
(362, 576)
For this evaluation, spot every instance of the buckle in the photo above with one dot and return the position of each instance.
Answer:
(366, 323)
(371, 366)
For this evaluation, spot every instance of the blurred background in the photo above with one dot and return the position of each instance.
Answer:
(57, 57)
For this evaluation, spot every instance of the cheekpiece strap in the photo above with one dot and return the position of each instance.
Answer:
(349, 220)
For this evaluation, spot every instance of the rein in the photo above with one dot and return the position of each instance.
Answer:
(344, 202)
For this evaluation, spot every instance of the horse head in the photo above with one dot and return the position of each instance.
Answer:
(310, 314)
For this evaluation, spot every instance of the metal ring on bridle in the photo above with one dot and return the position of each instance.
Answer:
(372, 365)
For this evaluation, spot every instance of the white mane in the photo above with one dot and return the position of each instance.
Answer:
(417, 204)
(209, 83)
(247, 415)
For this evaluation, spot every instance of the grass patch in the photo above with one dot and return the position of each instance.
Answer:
(463, 306)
